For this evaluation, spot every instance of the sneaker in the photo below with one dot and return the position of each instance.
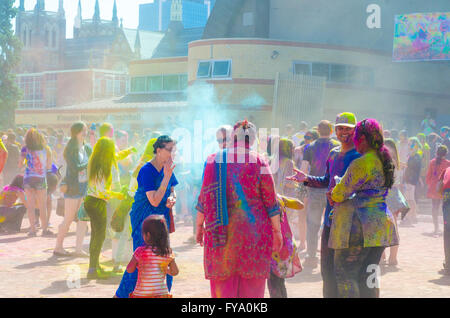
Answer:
(97, 274)
(32, 234)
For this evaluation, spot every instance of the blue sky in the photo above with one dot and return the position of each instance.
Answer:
(126, 9)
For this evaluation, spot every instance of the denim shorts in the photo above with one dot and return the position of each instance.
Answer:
(81, 192)
(37, 183)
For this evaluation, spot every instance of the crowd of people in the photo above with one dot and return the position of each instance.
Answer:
(349, 183)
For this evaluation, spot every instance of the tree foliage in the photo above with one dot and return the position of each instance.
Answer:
(10, 47)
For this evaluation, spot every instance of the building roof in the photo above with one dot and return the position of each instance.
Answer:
(176, 39)
(132, 101)
(149, 41)
(154, 97)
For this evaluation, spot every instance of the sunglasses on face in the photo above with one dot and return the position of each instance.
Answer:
(170, 149)
(308, 137)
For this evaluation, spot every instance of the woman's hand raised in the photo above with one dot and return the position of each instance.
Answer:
(168, 168)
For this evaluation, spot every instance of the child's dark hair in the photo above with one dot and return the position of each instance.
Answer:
(17, 181)
(159, 234)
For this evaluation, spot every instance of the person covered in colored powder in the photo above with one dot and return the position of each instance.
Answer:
(362, 224)
(122, 155)
(435, 169)
(155, 195)
(444, 187)
(99, 191)
(3, 155)
(36, 156)
(282, 185)
(11, 213)
(154, 260)
(76, 154)
(445, 136)
(411, 177)
(337, 163)
(285, 263)
(395, 201)
(238, 219)
(314, 160)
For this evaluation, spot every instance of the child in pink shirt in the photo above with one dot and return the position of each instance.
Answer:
(153, 260)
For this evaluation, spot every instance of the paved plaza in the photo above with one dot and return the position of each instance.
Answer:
(29, 269)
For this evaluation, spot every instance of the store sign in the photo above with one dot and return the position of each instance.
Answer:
(48, 119)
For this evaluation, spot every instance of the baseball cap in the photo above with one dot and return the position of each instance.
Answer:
(346, 119)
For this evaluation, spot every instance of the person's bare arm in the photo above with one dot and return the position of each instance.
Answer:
(173, 268)
(200, 230)
(131, 267)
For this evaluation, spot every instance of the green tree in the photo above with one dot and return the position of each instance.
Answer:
(10, 47)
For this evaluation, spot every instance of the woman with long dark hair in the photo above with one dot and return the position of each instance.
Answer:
(76, 154)
(362, 224)
(155, 195)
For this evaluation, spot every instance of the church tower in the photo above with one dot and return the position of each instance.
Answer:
(43, 35)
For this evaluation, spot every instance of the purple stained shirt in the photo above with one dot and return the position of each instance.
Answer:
(336, 165)
(316, 154)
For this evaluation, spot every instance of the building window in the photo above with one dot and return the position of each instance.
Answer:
(302, 69)
(138, 84)
(337, 73)
(321, 69)
(50, 90)
(24, 39)
(154, 84)
(214, 69)
(109, 87)
(221, 69)
(47, 39)
(161, 83)
(183, 81)
(118, 87)
(54, 38)
(247, 19)
(204, 69)
(171, 83)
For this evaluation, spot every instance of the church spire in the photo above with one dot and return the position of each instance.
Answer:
(115, 20)
(137, 45)
(77, 22)
(96, 17)
(40, 5)
(22, 5)
(61, 7)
